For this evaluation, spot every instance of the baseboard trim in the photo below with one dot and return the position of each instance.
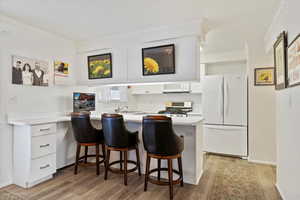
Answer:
(199, 178)
(280, 191)
(4, 184)
(262, 162)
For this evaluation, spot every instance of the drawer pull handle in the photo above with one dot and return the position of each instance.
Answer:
(44, 145)
(44, 129)
(44, 167)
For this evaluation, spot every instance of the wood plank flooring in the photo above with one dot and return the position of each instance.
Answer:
(224, 178)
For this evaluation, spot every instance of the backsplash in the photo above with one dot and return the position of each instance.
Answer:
(151, 102)
(156, 102)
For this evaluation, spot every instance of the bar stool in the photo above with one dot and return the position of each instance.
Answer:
(118, 138)
(86, 135)
(161, 143)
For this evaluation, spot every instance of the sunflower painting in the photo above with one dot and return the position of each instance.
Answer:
(159, 60)
(100, 66)
(264, 76)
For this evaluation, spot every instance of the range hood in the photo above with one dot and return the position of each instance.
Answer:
(177, 88)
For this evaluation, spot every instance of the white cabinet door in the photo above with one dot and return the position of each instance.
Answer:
(235, 100)
(213, 99)
(147, 89)
(231, 140)
(196, 88)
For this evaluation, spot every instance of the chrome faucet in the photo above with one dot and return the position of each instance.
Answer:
(121, 108)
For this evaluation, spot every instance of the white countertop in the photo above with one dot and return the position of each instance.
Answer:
(187, 121)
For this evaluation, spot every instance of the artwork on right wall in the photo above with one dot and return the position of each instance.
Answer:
(280, 61)
(294, 62)
(264, 76)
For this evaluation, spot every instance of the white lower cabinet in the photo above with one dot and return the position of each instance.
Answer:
(43, 145)
(34, 154)
(42, 167)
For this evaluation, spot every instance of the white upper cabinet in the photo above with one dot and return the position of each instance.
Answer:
(187, 67)
(126, 53)
(119, 67)
(196, 88)
(147, 89)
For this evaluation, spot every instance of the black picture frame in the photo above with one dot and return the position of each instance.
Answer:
(288, 63)
(144, 52)
(89, 59)
(281, 42)
(261, 69)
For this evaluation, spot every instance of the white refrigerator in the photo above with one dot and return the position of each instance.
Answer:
(225, 115)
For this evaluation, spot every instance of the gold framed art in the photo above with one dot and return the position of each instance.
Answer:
(264, 76)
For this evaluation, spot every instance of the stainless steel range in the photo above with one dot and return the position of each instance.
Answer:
(177, 109)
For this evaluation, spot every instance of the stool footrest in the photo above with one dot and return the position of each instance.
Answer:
(121, 171)
(159, 182)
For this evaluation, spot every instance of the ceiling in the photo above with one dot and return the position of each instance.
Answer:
(231, 21)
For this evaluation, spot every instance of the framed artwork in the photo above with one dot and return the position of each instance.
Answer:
(61, 69)
(264, 76)
(159, 60)
(293, 68)
(28, 71)
(280, 61)
(100, 66)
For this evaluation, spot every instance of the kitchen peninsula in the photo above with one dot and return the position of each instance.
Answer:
(48, 144)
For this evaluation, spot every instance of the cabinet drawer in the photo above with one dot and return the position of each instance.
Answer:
(43, 129)
(43, 145)
(42, 167)
(225, 140)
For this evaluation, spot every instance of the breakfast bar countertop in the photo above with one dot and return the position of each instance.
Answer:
(185, 121)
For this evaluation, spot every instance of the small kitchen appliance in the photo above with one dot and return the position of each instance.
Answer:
(177, 109)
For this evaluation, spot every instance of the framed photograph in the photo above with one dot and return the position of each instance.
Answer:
(100, 66)
(280, 61)
(293, 68)
(159, 60)
(264, 76)
(61, 69)
(28, 71)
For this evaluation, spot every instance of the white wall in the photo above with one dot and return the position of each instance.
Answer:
(287, 108)
(261, 106)
(29, 42)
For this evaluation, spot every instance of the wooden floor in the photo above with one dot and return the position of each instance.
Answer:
(224, 178)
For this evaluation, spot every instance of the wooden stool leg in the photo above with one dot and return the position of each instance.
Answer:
(180, 170)
(158, 167)
(121, 158)
(104, 155)
(97, 159)
(147, 172)
(170, 172)
(125, 167)
(107, 163)
(77, 158)
(86, 153)
(138, 160)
